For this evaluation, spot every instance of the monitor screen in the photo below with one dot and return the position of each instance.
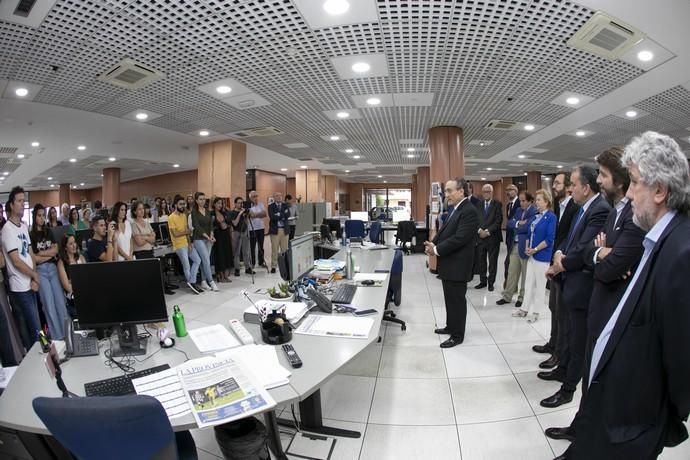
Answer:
(357, 215)
(83, 236)
(113, 293)
(58, 232)
(165, 232)
(155, 226)
(335, 226)
(301, 256)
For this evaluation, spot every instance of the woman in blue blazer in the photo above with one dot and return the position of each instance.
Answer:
(539, 247)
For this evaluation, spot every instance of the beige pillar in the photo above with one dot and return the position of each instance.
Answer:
(111, 186)
(533, 181)
(221, 169)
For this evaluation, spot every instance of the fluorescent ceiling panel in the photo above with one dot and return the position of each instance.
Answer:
(361, 101)
(359, 12)
(413, 99)
(343, 65)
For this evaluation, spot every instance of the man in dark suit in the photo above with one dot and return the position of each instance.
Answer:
(565, 209)
(637, 392)
(611, 255)
(490, 237)
(578, 280)
(278, 214)
(512, 205)
(454, 246)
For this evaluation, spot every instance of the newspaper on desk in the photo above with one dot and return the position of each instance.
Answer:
(220, 390)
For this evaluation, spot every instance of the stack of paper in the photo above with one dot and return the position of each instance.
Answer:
(336, 326)
(213, 338)
(262, 361)
(329, 265)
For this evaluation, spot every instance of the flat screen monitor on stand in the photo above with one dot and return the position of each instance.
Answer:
(120, 295)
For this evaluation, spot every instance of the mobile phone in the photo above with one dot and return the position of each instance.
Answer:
(370, 311)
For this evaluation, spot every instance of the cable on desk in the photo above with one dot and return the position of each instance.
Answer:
(294, 418)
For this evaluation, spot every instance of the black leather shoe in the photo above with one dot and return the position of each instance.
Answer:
(249, 271)
(480, 286)
(501, 302)
(518, 304)
(561, 433)
(441, 330)
(169, 291)
(450, 343)
(546, 348)
(491, 288)
(556, 374)
(558, 399)
(273, 270)
(549, 363)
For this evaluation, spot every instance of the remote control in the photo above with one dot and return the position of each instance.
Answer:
(241, 332)
(292, 356)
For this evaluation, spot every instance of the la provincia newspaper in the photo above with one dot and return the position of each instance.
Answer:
(220, 390)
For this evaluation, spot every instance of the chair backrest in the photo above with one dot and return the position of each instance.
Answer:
(397, 266)
(374, 231)
(109, 427)
(354, 228)
(406, 230)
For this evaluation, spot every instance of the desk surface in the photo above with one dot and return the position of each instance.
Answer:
(322, 357)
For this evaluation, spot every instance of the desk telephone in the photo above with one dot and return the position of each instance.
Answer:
(78, 345)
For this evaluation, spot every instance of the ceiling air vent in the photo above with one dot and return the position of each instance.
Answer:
(8, 150)
(605, 36)
(241, 134)
(24, 7)
(267, 131)
(504, 125)
(131, 75)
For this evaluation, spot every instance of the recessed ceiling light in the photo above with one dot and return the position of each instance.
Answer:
(303, 166)
(580, 133)
(481, 144)
(336, 7)
(223, 89)
(410, 149)
(361, 67)
(72, 160)
(379, 176)
(411, 155)
(483, 178)
(521, 156)
(21, 92)
(547, 178)
(356, 157)
(81, 147)
(101, 175)
(141, 116)
(343, 114)
(373, 101)
(20, 155)
(6, 173)
(489, 169)
(74, 186)
(645, 55)
(50, 178)
(203, 133)
(524, 174)
(176, 165)
(631, 114)
(560, 166)
(112, 159)
(52, 185)
(35, 144)
(529, 127)
(572, 100)
(349, 150)
(335, 138)
(283, 169)
(82, 184)
(347, 170)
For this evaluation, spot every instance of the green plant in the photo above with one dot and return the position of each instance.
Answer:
(280, 291)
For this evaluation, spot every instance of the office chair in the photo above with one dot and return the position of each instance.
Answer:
(395, 290)
(354, 228)
(114, 427)
(407, 230)
(375, 232)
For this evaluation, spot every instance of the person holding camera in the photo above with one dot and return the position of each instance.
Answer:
(103, 246)
(240, 235)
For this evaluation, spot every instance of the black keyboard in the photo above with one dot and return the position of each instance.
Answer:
(344, 293)
(120, 385)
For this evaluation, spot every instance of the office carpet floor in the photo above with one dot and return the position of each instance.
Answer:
(411, 399)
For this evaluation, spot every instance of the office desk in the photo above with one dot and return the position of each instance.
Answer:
(322, 358)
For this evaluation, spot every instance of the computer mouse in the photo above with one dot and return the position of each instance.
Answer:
(368, 282)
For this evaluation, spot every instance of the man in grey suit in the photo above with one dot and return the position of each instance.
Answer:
(453, 245)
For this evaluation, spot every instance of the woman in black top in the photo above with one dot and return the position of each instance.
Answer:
(222, 248)
(44, 249)
(52, 218)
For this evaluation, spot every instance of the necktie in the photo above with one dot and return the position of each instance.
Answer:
(510, 207)
(486, 207)
(580, 212)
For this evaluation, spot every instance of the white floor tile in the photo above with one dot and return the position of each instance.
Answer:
(412, 363)
(465, 361)
(536, 389)
(205, 439)
(509, 440)
(347, 398)
(417, 314)
(488, 399)
(521, 358)
(412, 402)
(416, 335)
(383, 442)
(366, 364)
(557, 418)
(512, 332)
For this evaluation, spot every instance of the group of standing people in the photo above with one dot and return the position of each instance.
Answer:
(613, 245)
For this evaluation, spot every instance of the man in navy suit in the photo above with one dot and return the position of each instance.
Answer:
(490, 237)
(512, 205)
(637, 392)
(611, 255)
(578, 279)
(278, 214)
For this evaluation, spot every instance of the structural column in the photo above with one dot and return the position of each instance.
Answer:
(422, 192)
(222, 169)
(309, 184)
(111, 186)
(533, 181)
(63, 195)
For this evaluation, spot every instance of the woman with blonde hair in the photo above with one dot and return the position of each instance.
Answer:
(539, 248)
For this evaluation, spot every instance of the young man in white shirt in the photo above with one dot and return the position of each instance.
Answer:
(23, 278)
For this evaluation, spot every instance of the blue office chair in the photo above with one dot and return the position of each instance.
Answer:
(395, 289)
(114, 427)
(375, 232)
(354, 228)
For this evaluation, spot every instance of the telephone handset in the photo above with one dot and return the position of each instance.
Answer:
(69, 341)
(76, 344)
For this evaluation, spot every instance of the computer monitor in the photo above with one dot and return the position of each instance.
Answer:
(301, 256)
(334, 226)
(121, 294)
(165, 232)
(83, 236)
(58, 232)
(359, 215)
(155, 226)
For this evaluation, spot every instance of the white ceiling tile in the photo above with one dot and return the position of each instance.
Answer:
(237, 88)
(413, 99)
(377, 62)
(361, 101)
(359, 11)
(246, 101)
(355, 114)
